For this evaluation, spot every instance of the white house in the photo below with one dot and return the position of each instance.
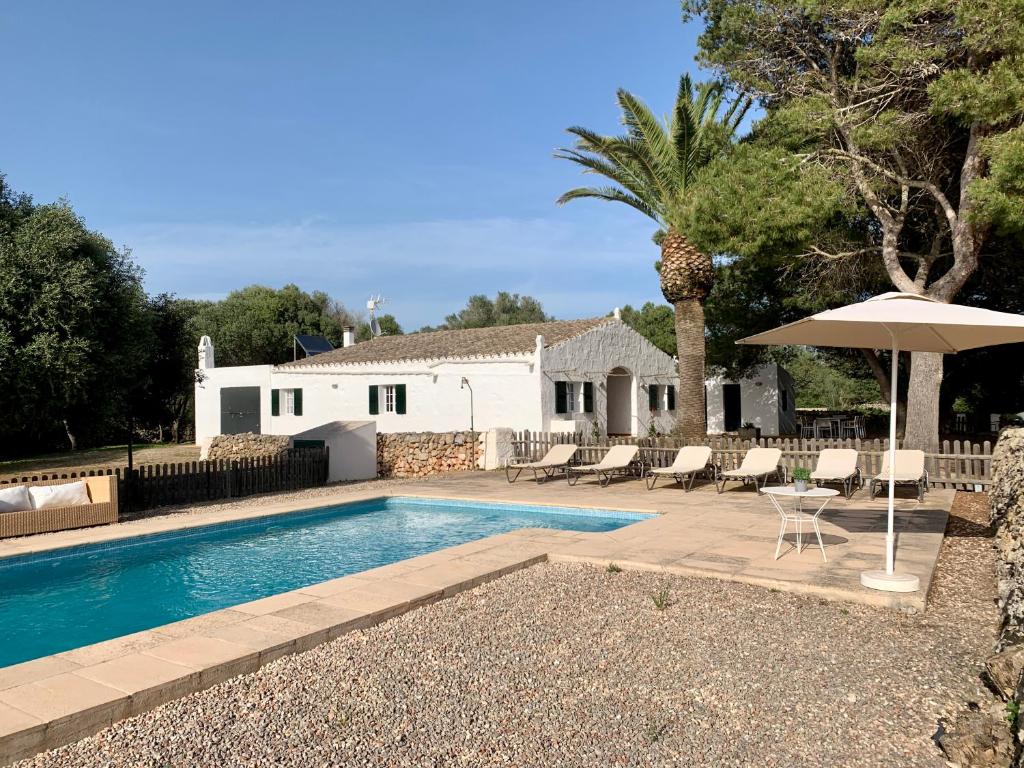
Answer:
(559, 376)
(765, 399)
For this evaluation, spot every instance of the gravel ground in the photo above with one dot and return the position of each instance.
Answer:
(566, 665)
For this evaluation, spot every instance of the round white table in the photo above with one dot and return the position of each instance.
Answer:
(797, 514)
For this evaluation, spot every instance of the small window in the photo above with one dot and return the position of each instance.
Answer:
(389, 398)
(288, 395)
(570, 398)
(653, 399)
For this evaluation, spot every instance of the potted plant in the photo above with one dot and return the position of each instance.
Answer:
(801, 476)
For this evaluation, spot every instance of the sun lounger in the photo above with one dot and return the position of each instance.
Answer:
(618, 459)
(758, 463)
(838, 465)
(909, 471)
(556, 459)
(689, 462)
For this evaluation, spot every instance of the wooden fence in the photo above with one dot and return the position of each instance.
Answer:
(159, 485)
(959, 464)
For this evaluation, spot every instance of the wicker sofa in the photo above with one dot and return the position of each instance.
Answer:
(101, 510)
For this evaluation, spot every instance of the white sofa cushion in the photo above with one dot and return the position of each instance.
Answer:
(63, 495)
(15, 499)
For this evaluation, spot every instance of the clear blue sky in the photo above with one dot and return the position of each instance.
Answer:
(353, 147)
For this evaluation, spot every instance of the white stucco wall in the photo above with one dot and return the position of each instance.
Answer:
(207, 405)
(516, 391)
(760, 402)
(352, 449)
(434, 400)
(591, 357)
(505, 393)
(787, 414)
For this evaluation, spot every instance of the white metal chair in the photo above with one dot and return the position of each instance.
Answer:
(688, 463)
(617, 460)
(557, 458)
(758, 463)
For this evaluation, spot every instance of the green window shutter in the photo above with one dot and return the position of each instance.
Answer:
(671, 397)
(588, 397)
(298, 401)
(561, 406)
(399, 398)
(652, 396)
(275, 402)
(374, 400)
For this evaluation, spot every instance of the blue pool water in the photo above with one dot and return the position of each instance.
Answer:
(55, 601)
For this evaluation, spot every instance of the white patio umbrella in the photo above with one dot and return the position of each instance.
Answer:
(901, 322)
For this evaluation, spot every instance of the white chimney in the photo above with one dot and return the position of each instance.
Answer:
(205, 352)
(348, 336)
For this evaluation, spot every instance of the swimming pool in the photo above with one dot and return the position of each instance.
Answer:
(62, 599)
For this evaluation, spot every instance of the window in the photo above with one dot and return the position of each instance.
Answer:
(588, 397)
(393, 396)
(785, 400)
(286, 401)
(670, 397)
(570, 398)
(653, 401)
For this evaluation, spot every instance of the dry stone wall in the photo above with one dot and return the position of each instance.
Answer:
(420, 454)
(984, 735)
(246, 444)
(1006, 495)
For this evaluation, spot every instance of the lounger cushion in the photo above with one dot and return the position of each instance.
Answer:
(15, 499)
(557, 456)
(909, 466)
(62, 495)
(692, 458)
(835, 464)
(617, 457)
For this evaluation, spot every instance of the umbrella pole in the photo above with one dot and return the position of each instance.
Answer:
(890, 536)
(888, 580)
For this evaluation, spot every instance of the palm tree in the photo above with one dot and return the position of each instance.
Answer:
(653, 167)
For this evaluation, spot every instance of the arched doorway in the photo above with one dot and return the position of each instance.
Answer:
(620, 402)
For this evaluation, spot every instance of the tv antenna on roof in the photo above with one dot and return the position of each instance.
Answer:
(372, 304)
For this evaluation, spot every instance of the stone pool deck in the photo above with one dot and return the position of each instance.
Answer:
(57, 699)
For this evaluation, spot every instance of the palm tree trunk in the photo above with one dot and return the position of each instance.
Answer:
(691, 416)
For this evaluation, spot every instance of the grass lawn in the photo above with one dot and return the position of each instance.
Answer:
(97, 458)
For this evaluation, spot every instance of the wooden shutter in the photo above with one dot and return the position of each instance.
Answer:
(652, 396)
(374, 400)
(588, 397)
(297, 393)
(671, 397)
(561, 397)
(399, 398)
(275, 402)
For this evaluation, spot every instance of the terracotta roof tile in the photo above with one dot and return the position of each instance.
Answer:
(460, 344)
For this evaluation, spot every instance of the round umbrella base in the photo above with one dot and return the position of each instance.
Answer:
(890, 582)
